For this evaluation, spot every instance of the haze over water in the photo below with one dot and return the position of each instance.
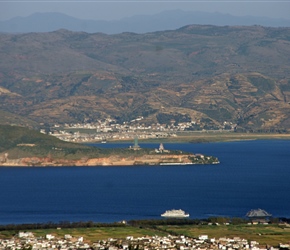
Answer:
(252, 174)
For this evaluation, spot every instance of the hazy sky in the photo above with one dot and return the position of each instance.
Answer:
(116, 9)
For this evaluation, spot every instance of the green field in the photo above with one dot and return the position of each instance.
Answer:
(271, 234)
(91, 234)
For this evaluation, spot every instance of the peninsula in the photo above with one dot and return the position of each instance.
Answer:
(20, 146)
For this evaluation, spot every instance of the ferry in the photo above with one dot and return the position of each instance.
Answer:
(175, 213)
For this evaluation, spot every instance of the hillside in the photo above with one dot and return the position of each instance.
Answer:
(21, 142)
(200, 73)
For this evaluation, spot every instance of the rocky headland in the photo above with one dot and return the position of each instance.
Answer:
(114, 160)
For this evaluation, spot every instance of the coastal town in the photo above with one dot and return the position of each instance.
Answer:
(27, 240)
(109, 129)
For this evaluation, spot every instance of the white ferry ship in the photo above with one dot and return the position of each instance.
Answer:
(175, 213)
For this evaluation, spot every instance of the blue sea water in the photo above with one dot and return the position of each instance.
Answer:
(252, 174)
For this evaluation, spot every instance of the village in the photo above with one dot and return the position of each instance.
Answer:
(27, 240)
(64, 240)
(109, 129)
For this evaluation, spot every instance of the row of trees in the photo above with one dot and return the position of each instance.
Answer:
(135, 223)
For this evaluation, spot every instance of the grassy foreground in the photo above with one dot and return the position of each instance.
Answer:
(91, 234)
(271, 234)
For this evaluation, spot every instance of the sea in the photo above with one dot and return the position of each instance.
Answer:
(251, 175)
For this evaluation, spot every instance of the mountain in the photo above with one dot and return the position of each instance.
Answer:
(208, 74)
(167, 20)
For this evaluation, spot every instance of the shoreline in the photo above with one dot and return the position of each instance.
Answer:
(168, 158)
(205, 137)
(115, 161)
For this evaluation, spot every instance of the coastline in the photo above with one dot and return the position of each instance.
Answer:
(114, 160)
(168, 158)
(207, 137)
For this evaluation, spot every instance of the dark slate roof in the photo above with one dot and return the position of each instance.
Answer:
(258, 213)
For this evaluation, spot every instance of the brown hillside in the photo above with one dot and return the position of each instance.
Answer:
(236, 74)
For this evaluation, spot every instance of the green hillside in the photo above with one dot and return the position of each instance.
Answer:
(20, 142)
(23, 142)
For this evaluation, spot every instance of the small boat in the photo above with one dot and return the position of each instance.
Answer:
(175, 213)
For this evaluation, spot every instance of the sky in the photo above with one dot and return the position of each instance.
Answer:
(117, 9)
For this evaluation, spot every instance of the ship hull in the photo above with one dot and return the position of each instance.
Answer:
(175, 214)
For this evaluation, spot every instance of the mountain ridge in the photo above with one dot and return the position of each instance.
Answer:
(167, 20)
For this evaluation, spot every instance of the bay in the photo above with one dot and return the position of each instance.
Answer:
(252, 174)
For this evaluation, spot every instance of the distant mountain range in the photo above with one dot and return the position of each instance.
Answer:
(167, 20)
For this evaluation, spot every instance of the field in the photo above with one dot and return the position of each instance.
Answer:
(264, 234)
(271, 234)
(93, 233)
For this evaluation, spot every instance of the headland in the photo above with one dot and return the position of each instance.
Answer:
(143, 158)
(23, 147)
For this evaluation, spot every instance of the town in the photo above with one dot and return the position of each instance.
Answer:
(27, 240)
(109, 129)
